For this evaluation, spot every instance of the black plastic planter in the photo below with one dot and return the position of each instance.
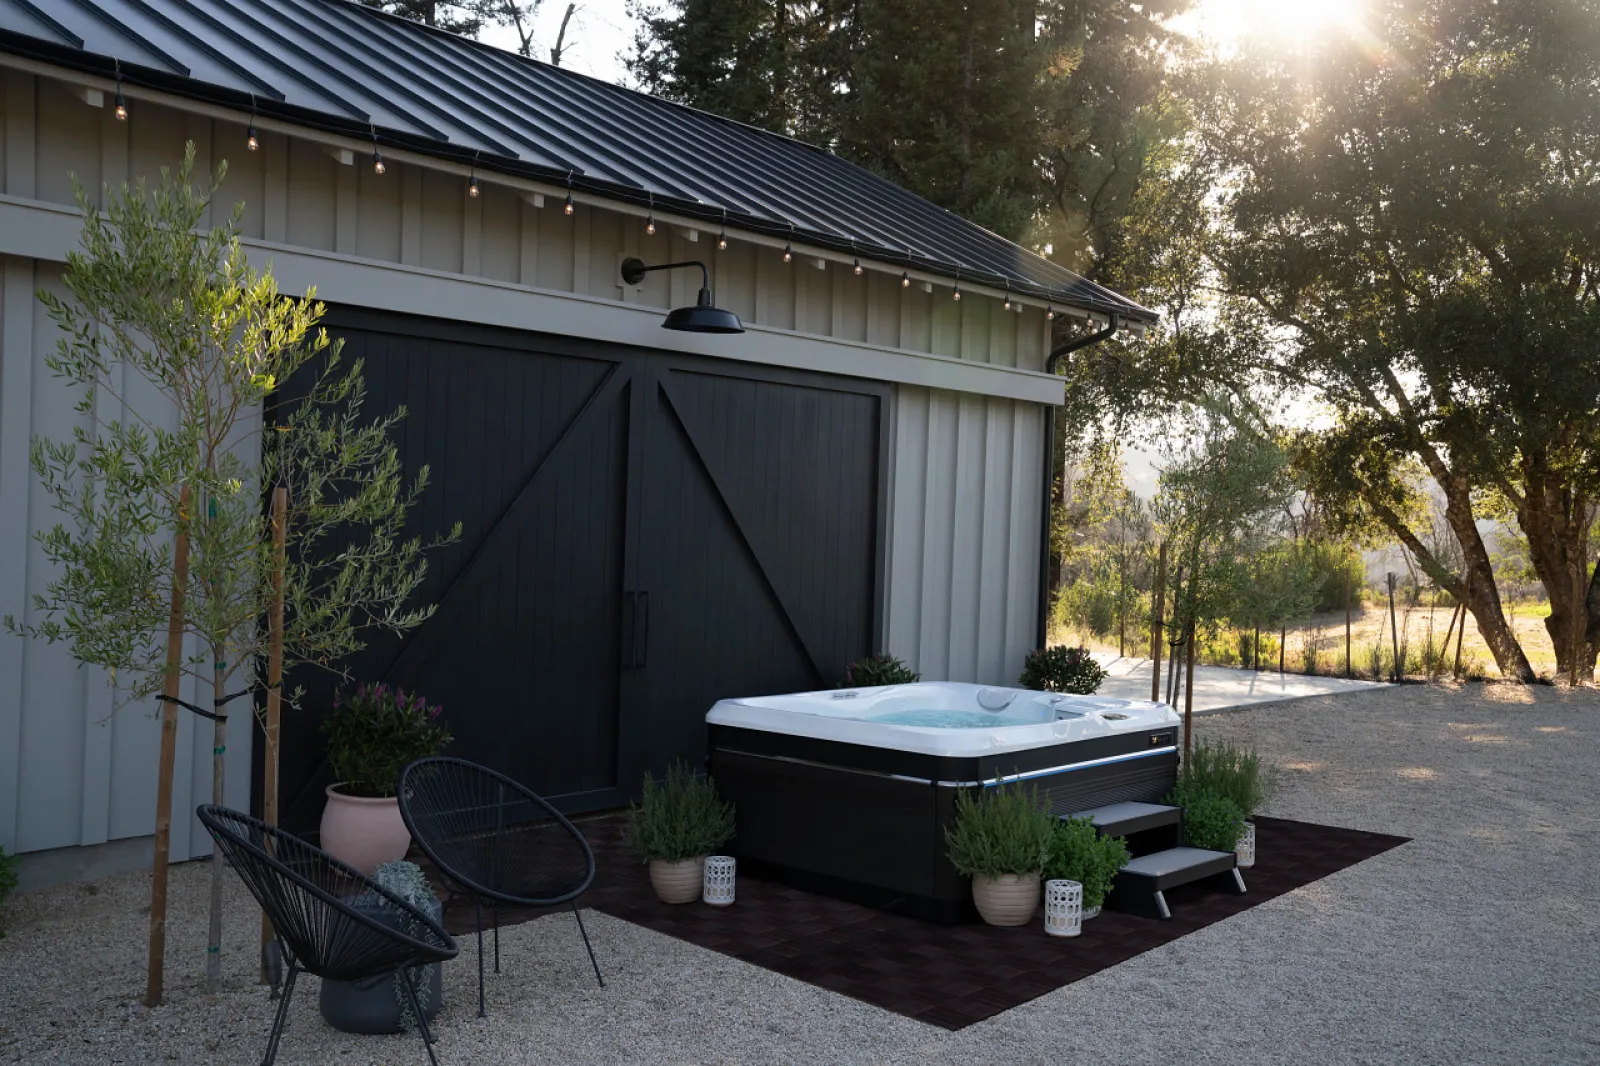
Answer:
(371, 1007)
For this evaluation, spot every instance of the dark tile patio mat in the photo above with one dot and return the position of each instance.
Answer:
(950, 976)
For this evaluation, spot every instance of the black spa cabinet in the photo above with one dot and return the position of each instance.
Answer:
(867, 824)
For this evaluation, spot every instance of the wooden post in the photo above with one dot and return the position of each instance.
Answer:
(1348, 670)
(1461, 635)
(1255, 647)
(1580, 614)
(1394, 633)
(155, 975)
(1450, 630)
(1283, 644)
(1155, 625)
(1188, 694)
(269, 761)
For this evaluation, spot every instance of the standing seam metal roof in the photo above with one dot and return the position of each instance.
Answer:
(338, 67)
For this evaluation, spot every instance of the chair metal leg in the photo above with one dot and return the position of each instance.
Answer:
(587, 946)
(495, 914)
(416, 1008)
(481, 1012)
(281, 1018)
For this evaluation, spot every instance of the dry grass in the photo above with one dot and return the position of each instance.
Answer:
(1369, 625)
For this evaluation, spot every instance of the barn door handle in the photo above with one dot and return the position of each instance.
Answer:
(643, 642)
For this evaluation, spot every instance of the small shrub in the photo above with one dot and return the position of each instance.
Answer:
(1003, 831)
(1235, 773)
(1210, 819)
(1062, 669)
(877, 670)
(1078, 853)
(8, 878)
(375, 732)
(680, 818)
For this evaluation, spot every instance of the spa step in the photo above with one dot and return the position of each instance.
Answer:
(1125, 819)
(1140, 886)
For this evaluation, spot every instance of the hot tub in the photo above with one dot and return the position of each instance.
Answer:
(850, 791)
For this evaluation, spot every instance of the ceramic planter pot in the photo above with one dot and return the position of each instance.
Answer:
(1010, 899)
(1090, 912)
(678, 882)
(363, 831)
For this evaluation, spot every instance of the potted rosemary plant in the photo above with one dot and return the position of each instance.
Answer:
(1001, 839)
(679, 822)
(1223, 772)
(372, 735)
(1079, 853)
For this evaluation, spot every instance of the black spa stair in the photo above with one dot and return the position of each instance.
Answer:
(1151, 831)
(1141, 885)
(1127, 819)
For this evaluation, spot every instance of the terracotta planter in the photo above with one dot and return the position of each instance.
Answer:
(363, 831)
(678, 882)
(1010, 899)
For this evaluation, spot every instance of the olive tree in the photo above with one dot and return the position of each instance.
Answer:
(175, 345)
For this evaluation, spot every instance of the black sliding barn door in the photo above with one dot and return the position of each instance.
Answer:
(644, 534)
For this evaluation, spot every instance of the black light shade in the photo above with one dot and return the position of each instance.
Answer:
(703, 318)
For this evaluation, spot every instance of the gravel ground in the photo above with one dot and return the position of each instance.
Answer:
(1475, 943)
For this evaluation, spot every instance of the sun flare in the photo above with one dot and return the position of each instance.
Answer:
(1233, 20)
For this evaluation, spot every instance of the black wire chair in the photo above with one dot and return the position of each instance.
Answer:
(497, 841)
(308, 894)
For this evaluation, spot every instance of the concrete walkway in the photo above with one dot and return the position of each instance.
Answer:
(1218, 688)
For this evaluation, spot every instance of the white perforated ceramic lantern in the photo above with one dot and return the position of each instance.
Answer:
(1063, 908)
(1246, 848)
(718, 887)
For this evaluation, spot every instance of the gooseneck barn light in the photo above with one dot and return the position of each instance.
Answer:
(704, 316)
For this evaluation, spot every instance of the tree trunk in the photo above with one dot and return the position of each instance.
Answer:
(156, 972)
(1556, 522)
(1476, 585)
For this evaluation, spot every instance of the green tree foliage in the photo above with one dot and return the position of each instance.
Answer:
(1404, 226)
(1036, 120)
(1220, 495)
(173, 344)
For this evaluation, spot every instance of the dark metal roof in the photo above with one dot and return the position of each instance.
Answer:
(338, 67)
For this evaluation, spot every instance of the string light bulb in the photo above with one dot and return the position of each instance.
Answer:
(377, 161)
(788, 253)
(251, 141)
(1007, 304)
(858, 268)
(905, 279)
(567, 206)
(121, 104)
(722, 241)
(472, 186)
(956, 293)
(650, 225)
(1050, 312)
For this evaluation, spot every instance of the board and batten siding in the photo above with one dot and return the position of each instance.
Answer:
(963, 484)
(967, 482)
